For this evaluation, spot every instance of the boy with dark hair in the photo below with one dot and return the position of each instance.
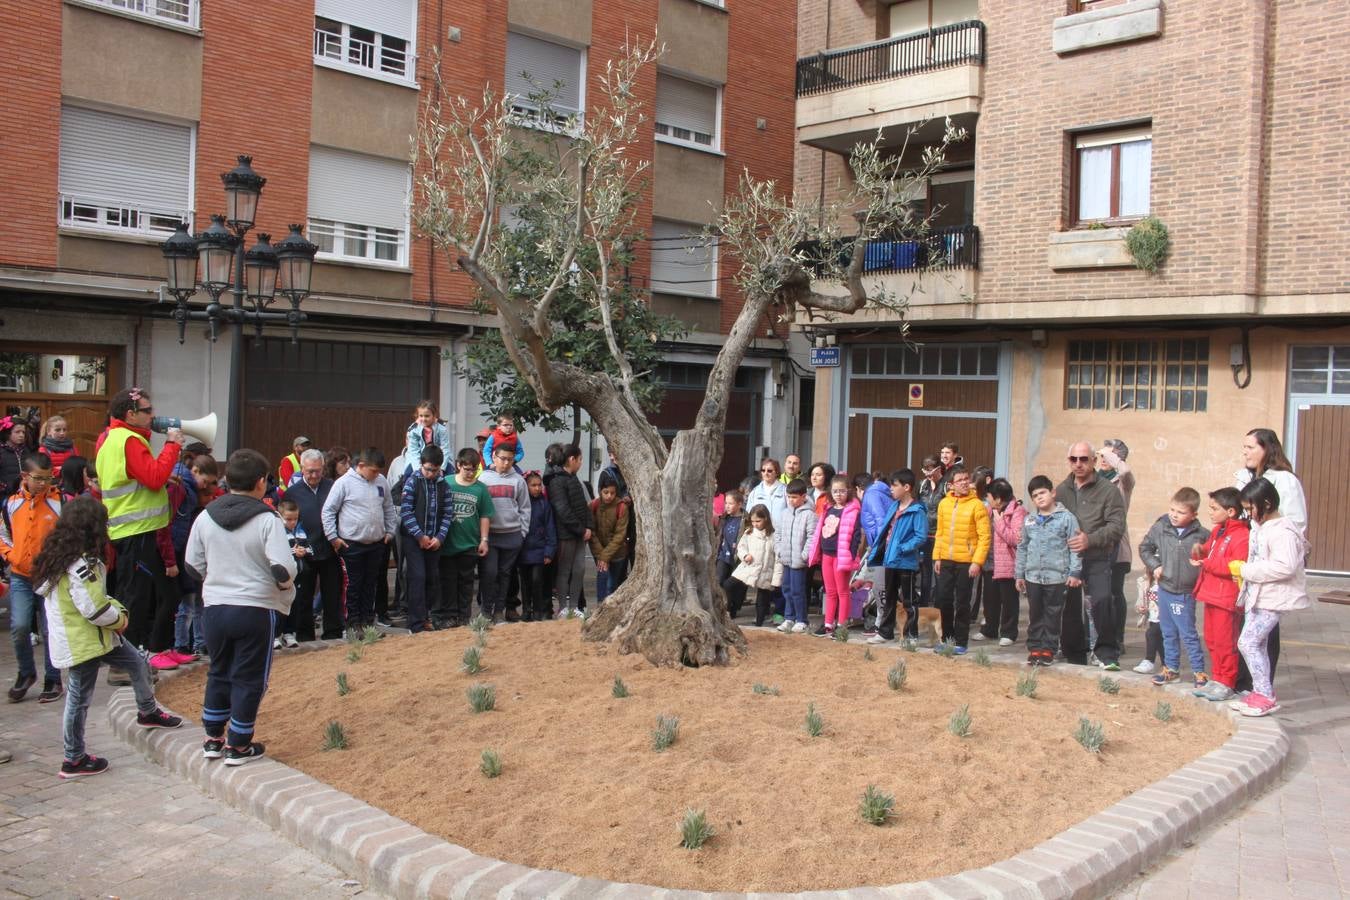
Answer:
(1046, 568)
(504, 435)
(1166, 552)
(465, 542)
(506, 534)
(901, 536)
(298, 624)
(1216, 588)
(27, 517)
(238, 550)
(358, 520)
(791, 533)
(962, 545)
(425, 513)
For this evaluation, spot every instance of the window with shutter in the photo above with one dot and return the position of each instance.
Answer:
(681, 262)
(122, 174)
(535, 66)
(173, 12)
(686, 111)
(358, 206)
(373, 39)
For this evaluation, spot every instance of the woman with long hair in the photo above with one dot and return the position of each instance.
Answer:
(78, 479)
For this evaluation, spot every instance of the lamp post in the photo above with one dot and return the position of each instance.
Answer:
(215, 261)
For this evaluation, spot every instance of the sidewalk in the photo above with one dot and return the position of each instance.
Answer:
(134, 831)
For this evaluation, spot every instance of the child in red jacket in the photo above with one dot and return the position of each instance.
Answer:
(1218, 591)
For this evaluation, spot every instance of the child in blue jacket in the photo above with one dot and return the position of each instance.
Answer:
(536, 555)
(901, 535)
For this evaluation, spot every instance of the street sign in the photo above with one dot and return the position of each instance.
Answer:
(916, 396)
(822, 357)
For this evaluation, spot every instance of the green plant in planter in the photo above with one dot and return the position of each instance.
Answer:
(1148, 243)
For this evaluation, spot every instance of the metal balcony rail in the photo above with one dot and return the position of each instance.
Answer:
(107, 214)
(955, 247)
(184, 12)
(939, 48)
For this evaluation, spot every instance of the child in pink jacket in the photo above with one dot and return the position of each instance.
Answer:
(835, 546)
(1001, 605)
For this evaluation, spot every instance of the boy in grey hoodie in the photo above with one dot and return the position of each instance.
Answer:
(358, 519)
(1045, 568)
(506, 535)
(239, 552)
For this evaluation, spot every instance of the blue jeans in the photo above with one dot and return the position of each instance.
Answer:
(80, 690)
(24, 606)
(794, 594)
(188, 634)
(1176, 615)
(607, 583)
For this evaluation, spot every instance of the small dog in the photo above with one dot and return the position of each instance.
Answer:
(930, 622)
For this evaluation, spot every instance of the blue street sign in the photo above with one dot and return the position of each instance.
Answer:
(822, 357)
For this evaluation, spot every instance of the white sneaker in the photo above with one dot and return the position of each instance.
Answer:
(1092, 660)
(799, 628)
(877, 639)
(976, 636)
(1145, 667)
(1005, 642)
(276, 643)
(784, 628)
(290, 641)
(564, 613)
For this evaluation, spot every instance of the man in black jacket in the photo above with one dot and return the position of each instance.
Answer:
(309, 494)
(1097, 505)
(572, 515)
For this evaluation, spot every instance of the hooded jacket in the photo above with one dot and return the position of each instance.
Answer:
(1100, 513)
(844, 559)
(609, 537)
(541, 541)
(762, 570)
(906, 538)
(239, 551)
(963, 530)
(876, 500)
(359, 510)
(82, 621)
(1164, 547)
(571, 513)
(25, 522)
(792, 532)
(1273, 576)
(1007, 535)
(1227, 543)
(1043, 554)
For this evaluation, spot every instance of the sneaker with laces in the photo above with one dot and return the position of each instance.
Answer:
(164, 662)
(877, 639)
(977, 636)
(237, 756)
(1201, 679)
(290, 641)
(777, 619)
(51, 692)
(869, 629)
(1005, 642)
(1112, 667)
(958, 650)
(86, 765)
(276, 643)
(1092, 660)
(158, 719)
(183, 656)
(1257, 705)
(1239, 700)
(213, 748)
(1166, 676)
(1144, 667)
(800, 628)
(822, 629)
(784, 628)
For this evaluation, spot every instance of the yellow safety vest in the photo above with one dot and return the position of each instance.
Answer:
(295, 467)
(133, 508)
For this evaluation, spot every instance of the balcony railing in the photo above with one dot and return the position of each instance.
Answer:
(956, 247)
(182, 12)
(940, 48)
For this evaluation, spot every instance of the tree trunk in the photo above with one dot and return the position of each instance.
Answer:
(671, 609)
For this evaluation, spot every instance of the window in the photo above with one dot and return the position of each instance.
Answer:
(358, 206)
(686, 111)
(1319, 370)
(53, 373)
(950, 360)
(367, 38)
(681, 262)
(182, 12)
(123, 175)
(535, 66)
(1171, 375)
(1111, 173)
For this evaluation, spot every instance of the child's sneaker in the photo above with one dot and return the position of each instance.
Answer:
(784, 628)
(777, 619)
(1034, 658)
(958, 650)
(51, 692)
(164, 662)
(1257, 705)
(1201, 679)
(1166, 676)
(822, 630)
(869, 630)
(182, 657)
(1215, 691)
(290, 641)
(237, 756)
(87, 765)
(213, 748)
(1092, 660)
(1005, 642)
(158, 719)
(877, 639)
(799, 628)
(1145, 667)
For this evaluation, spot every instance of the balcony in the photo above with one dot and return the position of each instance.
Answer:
(845, 96)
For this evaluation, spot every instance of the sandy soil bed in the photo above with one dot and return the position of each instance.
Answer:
(582, 790)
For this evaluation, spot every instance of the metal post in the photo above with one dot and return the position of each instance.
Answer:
(233, 430)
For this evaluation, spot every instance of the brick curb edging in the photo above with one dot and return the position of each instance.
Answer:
(1103, 851)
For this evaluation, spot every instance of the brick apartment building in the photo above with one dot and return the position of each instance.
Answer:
(1227, 121)
(121, 114)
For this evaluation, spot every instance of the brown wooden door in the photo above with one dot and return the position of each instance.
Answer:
(977, 438)
(858, 424)
(890, 444)
(1323, 435)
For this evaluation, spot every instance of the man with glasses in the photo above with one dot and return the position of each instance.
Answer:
(29, 515)
(132, 481)
(310, 493)
(1100, 512)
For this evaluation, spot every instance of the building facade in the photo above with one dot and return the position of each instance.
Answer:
(121, 115)
(1031, 326)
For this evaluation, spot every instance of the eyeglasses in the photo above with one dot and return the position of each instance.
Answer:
(768, 469)
(40, 479)
(1080, 459)
(145, 409)
(430, 469)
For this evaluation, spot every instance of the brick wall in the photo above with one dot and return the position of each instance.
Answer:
(30, 45)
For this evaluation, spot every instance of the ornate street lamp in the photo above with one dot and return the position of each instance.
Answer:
(243, 187)
(296, 258)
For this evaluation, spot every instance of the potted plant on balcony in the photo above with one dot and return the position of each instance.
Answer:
(1148, 243)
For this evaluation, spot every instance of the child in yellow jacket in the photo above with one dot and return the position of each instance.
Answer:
(959, 552)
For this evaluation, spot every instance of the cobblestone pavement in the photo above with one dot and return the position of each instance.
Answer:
(134, 831)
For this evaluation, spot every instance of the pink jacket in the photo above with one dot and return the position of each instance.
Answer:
(1273, 576)
(1007, 533)
(848, 523)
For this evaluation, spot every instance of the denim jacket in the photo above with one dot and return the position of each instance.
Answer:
(1043, 554)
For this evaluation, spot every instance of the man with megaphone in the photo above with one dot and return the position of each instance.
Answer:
(133, 480)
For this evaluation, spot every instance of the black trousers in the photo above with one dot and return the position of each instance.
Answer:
(1119, 571)
(331, 581)
(764, 603)
(1094, 597)
(365, 564)
(422, 580)
(300, 620)
(496, 571)
(239, 639)
(149, 595)
(381, 606)
(1002, 605)
(1153, 645)
(454, 606)
(735, 591)
(536, 602)
(1045, 612)
(954, 587)
(900, 589)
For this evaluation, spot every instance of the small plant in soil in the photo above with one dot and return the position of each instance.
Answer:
(959, 723)
(982, 658)
(482, 697)
(876, 806)
(371, 635)
(666, 731)
(1163, 711)
(1090, 734)
(815, 722)
(910, 645)
(867, 654)
(353, 636)
(480, 624)
(1108, 685)
(767, 689)
(480, 640)
(619, 690)
(491, 764)
(343, 687)
(334, 738)
(841, 634)
(472, 661)
(354, 653)
(947, 648)
(896, 675)
(1027, 684)
(694, 829)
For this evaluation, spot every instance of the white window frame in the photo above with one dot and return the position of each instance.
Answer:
(113, 217)
(716, 145)
(343, 44)
(157, 12)
(321, 231)
(527, 115)
(714, 285)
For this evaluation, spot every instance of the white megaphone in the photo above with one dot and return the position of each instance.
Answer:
(203, 429)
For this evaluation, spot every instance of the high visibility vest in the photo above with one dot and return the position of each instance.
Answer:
(295, 467)
(133, 508)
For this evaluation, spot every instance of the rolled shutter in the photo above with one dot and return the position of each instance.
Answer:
(679, 263)
(686, 104)
(358, 189)
(129, 162)
(395, 18)
(545, 63)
